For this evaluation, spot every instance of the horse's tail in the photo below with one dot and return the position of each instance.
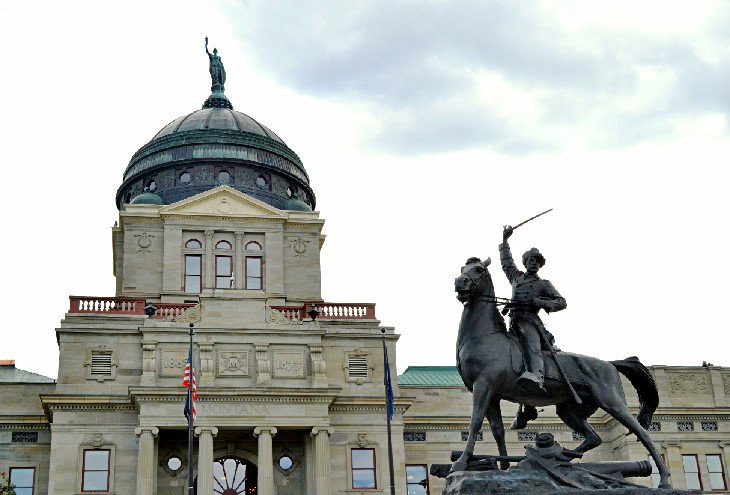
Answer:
(640, 377)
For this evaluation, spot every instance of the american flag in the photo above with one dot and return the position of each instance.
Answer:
(189, 378)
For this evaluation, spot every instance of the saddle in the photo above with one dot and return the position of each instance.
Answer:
(567, 361)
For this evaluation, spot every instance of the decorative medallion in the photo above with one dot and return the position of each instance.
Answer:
(144, 241)
(223, 206)
(299, 245)
(190, 315)
(276, 317)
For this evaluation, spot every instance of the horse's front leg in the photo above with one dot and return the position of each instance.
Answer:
(494, 415)
(481, 397)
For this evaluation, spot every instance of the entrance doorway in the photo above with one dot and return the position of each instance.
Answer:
(233, 476)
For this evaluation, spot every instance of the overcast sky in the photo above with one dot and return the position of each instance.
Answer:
(425, 127)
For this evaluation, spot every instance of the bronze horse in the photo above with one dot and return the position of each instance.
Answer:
(483, 350)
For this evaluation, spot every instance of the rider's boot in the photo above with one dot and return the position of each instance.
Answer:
(523, 416)
(531, 382)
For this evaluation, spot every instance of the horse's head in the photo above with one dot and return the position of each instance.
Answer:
(474, 281)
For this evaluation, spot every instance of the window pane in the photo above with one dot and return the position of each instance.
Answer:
(192, 284)
(253, 283)
(363, 478)
(716, 481)
(690, 463)
(253, 246)
(414, 474)
(223, 245)
(253, 267)
(693, 481)
(362, 458)
(21, 477)
(223, 265)
(23, 491)
(96, 460)
(417, 490)
(95, 480)
(713, 464)
(193, 244)
(192, 265)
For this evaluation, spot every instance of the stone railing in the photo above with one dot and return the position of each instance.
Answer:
(329, 311)
(124, 306)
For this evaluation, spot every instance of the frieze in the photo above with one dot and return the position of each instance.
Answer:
(233, 364)
(234, 409)
(289, 364)
(689, 384)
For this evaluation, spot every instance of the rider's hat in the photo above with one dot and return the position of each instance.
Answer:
(535, 254)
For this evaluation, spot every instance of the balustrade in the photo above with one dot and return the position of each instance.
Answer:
(124, 306)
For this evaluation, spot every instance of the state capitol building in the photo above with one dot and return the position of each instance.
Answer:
(218, 227)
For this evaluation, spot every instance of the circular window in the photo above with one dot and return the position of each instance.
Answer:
(174, 463)
(262, 182)
(152, 185)
(185, 178)
(224, 177)
(285, 462)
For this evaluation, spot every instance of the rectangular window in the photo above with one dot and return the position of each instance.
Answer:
(193, 265)
(23, 479)
(417, 479)
(363, 468)
(95, 471)
(716, 472)
(254, 273)
(655, 477)
(223, 273)
(692, 472)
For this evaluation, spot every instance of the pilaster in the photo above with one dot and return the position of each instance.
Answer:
(146, 466)
(265, 459)
(322, 478)
(205, 436)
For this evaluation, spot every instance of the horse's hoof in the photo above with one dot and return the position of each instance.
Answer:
(458, 466)
(504, 465)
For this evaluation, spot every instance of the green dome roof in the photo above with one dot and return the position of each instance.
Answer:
(296, 204)
(147, 198)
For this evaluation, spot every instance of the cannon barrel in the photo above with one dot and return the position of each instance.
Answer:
(627, 469)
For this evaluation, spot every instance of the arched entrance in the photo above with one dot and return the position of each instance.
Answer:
(233, 476)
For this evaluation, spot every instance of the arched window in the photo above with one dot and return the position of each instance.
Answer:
(193, 244)
(223, 245)
(234, 476)
(253, 246)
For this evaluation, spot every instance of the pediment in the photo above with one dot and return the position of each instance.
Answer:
(223, 201)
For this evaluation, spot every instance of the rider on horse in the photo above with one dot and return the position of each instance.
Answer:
(530, 293)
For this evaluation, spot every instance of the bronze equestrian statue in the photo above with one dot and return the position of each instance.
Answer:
(490, 362)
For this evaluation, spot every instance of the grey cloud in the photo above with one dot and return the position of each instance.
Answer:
(408, 60)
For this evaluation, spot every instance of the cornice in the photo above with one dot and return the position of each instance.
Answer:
(229, 394)
(24, 426)
(350, 404)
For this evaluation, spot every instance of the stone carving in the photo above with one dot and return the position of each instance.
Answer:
(190, 315)
(98, 440)
(688, 384)
(362, 439)
(172, 363)
(223, 206)
(726, 384)
(319, 367)
(289, 364)
(144, 241)
(277, 317)
(263, 365)
(233, 363)
(299, 245)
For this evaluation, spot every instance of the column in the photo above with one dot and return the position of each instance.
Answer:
(238, 261)
(673, 458)
(208, 262)
(322, 482)
(146, 466)
(205, 436)
(266, 459)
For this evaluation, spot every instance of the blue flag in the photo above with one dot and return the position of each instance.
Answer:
(388, 385)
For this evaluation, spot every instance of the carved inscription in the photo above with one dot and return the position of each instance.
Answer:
(243, 409)
(289, 364)
(172, 363)
(233, 363)
(689, 384)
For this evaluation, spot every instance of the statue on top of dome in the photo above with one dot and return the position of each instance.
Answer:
(217, 71)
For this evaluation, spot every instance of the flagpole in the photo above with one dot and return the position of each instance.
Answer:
(190, 418)
(388, 386)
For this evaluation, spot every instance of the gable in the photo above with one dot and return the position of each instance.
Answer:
(223, 201)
